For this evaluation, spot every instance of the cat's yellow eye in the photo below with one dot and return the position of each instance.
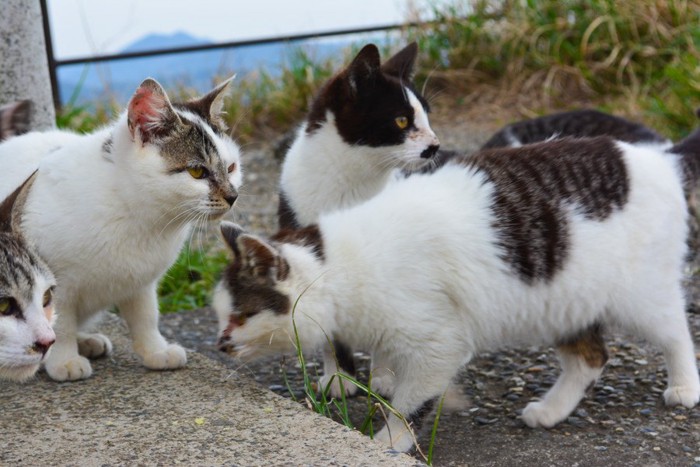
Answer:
(231, 167)
(197, 172)
(5, 305)
(48, 296)
(401, 122)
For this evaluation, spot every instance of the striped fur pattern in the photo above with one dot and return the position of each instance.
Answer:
(110, 211)
(577, 123)
(436, 269)
(26, 290)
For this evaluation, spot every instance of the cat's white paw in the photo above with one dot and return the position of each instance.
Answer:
(171, 357)
(538, 414)
(402, 441)
(73, 369)
(336, 390)
(682, 395)
(383, 383)
(94, 345)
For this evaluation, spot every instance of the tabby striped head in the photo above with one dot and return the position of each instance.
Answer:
(26, 291)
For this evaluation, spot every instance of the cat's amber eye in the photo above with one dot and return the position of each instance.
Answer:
(231, 167)
(197, 172)
(48, 297)
(401, 122)
(5, 306)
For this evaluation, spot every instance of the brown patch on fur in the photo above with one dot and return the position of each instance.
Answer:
(538, 185)
(588, 345)
(308, 236)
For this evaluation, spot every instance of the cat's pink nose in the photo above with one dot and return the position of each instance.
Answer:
(43, 345)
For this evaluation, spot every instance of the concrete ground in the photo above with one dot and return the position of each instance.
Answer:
(202, 415)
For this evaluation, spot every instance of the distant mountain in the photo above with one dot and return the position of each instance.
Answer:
(119, 78)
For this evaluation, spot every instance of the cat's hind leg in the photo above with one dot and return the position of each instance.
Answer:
(582, 359)
(667, 327)
(141, 315)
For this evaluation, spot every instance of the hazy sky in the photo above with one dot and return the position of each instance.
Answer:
(89, 27)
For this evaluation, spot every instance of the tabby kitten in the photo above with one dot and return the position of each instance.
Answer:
(26, 289)
(110, 211)
(552, 243)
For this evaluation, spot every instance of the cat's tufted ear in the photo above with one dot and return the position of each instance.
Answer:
(150, 114)
(364, 68)
(402, 63)
(210, 106)
(11, 207)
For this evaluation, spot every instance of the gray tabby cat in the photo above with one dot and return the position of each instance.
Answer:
(26, 290)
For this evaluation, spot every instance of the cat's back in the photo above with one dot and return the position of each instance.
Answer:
(20, 156)
(576, 123)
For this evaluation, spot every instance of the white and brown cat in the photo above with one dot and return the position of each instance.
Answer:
(26, 296)
(110, 211)
(552, 243)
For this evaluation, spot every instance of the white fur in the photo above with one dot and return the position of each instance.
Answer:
(19, 360)
(414, 276)
(109, 227)
(322, 173)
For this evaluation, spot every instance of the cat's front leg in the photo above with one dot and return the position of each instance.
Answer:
(63, 362)
(331, 371)
(141, 315)
(418, 384)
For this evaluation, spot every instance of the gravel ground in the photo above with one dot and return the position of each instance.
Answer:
(622, 421)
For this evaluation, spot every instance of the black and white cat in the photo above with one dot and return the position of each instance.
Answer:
(26, 296)
(551, 243)
(110, 211)
(367, 122)
(576, 123)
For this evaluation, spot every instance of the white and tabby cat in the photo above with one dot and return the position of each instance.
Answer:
(26, 290)
(548, 244)
(110, 211)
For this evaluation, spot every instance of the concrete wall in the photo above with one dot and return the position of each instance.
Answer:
(24, 71)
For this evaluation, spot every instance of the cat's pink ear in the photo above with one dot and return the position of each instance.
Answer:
(150, 114)
(401, 64)
(365, 67)
(11, 207)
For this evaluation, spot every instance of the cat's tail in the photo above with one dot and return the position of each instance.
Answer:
(689, 151)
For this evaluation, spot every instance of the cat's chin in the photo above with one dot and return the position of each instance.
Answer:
(19, 373)
(216, 216)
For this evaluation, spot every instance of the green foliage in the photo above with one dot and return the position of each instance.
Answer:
(262, 103)
(646, 50)
(189, 282)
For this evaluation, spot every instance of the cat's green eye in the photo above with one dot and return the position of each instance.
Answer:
(401, 122)
(5, 305)
(48, 297)
(197, 172)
